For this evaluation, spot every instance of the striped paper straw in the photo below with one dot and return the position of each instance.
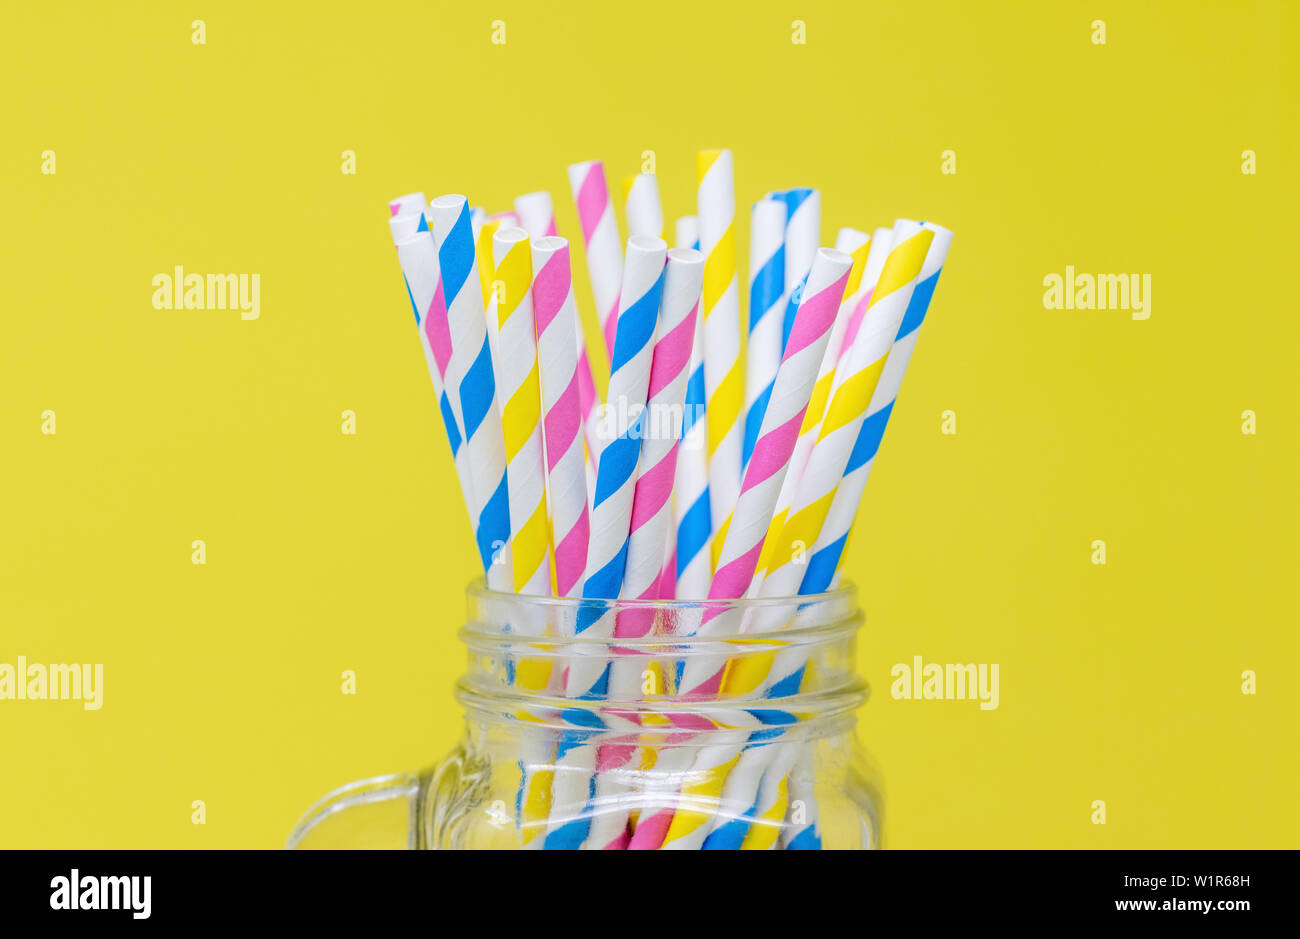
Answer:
(577, 783)
(477, 218)
(659, 795)
(687, 232)
(856, 380)
(859, 375)
(651, 516)
(645, 213)
(802, 236)
(882, 239)
(405, 205)
(486, 263)
(404, 227)
(471, 385)
(558, 366)
(536, 214)
(857, 245)
(419, 262)
(600, 236)
(651, 509)
(521, 412)
(757, 792)
(690, 566)
(686, 820)
(518, 370)
(803, 792)
(827, 552)
(753, 512)
(723, 378)
(629, 382)
(766, 292)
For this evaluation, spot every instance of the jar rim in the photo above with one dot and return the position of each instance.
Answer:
(548, 625)
(479, 589)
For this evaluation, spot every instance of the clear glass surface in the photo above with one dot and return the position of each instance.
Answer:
(636, 725)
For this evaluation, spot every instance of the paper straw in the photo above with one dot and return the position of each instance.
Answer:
(419, 262)
(659, 796)
(689, 815)
(517, 371)
(827, 553)
(859, 379)
(766, 291)
(521, 412)
(758, 783)
(882, 239)
(477, 218)
(651, 519)
(762, 484)
(486, 263)
(855, 383)
(404, 205)
(851, 241)
(536, 214)
(471, 385)
(600, 236)
(566, 479)
(803, 792)
(629, 382)
(802, 236)
(857, 245)
(723, 378)
(687, 232)
(405, 226)
(611, 514)
(645, 214)
(690, 565)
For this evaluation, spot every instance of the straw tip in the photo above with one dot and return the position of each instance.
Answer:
(646, 244)
(450, 201)
(510, 234)
(835, 255)
(550, 243)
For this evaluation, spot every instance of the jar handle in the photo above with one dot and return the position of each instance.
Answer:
(377, 813)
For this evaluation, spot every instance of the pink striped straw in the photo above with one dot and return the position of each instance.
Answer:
(405, 205)
(765, 473)
(881, 239)
(652, 516)
(560, 374)
(662, 430)
(536, 214)
(600, 236)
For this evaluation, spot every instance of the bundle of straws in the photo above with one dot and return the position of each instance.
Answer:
(714, 469)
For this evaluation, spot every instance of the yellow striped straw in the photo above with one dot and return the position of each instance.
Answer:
(723, 376)
(817, 403)
(521, 412)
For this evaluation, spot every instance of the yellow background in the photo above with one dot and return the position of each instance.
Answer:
(329, 552)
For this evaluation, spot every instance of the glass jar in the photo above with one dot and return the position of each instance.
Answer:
(636, 724)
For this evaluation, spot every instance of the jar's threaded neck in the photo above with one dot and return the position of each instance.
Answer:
(720, 666)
